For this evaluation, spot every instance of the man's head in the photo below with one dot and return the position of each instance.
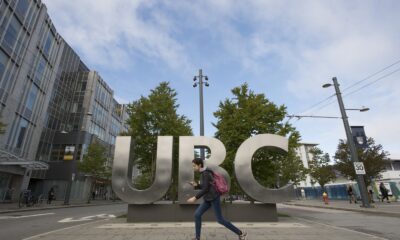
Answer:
(197, 164)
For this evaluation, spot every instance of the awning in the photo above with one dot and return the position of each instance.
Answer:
(7, 158)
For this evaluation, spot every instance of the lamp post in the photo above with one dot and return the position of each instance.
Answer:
(200, 83)
(354, 156)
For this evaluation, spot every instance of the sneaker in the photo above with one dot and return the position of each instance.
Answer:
(243, 236)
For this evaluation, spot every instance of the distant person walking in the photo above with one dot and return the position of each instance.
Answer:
(384, 192)
(350, 193)
(211, 199)
(370, 194)
(50, 195)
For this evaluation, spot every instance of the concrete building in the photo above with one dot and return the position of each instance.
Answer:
(303, 151)
(53, 106)
(91, 114)
(391, 178)
(30, 53)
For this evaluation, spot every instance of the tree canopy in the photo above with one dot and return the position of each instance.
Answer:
(321, 171)
(94, 162)
(246, 114)
(151, 116)
(373, 157)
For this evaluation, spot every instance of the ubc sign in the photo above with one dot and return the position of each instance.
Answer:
(123, 187)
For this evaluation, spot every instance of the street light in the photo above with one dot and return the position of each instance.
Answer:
(200, 83)
(363, 109)
(354, 156)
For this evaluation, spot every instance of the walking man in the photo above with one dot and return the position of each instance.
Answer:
(384, 192)
(50, 195)
(351, 194)
(211, 199)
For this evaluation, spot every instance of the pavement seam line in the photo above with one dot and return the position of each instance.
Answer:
(340, 228)
(61, 229)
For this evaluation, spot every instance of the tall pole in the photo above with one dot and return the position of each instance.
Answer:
(202, 155)
(354, 156)
(200, 83)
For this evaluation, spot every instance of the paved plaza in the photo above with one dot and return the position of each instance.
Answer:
(285, 229)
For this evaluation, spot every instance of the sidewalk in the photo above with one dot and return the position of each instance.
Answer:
(285, 229)
(13, 207)
(382, 208)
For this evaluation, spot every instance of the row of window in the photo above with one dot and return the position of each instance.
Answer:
(103, 96)
(100, 115)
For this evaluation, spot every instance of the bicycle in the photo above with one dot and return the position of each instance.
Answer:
(39, 200)
(25, 199)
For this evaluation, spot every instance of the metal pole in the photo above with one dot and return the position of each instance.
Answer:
(202, 154)
(354, 156)
(69, 186)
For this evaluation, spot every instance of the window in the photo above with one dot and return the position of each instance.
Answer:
(12, 32)
(30, 102)
(3, 63)
(22, 7)
(396, 165)
(23, 125)
(49, 42)
(40, 69)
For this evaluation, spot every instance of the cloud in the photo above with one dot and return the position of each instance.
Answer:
(296, 45)
(115, 34)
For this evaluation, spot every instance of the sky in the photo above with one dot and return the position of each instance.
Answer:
(284, 49)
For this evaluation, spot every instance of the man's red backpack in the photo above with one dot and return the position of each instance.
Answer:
(220, 183)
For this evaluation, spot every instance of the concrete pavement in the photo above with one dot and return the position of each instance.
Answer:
(316, 221)
(286, 228)
(379, 208)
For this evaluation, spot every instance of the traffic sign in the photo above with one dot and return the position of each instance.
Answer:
(359, 167)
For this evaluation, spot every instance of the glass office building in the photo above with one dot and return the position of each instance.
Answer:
(30, 53)
(50, 102)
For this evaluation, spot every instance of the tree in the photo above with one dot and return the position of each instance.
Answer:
(248, 114)
(152, 116)
(94, 164)
(320, 169)
(373, 157)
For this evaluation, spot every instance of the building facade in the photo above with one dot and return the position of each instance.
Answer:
(30, 53)
(303, 151)
(338, 189)
(53, 106)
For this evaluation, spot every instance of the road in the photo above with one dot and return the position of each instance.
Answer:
(380, 226)
(15, 226)
(27, 224)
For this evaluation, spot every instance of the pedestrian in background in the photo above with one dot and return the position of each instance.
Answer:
(50, 195)
(370, 194)
(384, 192)
(350, 193)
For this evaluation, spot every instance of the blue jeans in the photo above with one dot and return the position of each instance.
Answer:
(217, 210)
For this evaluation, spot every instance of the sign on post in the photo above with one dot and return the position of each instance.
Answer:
(69, 153)
(359, 167)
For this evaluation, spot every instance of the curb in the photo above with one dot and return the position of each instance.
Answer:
(58, 207)
(384, 213)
